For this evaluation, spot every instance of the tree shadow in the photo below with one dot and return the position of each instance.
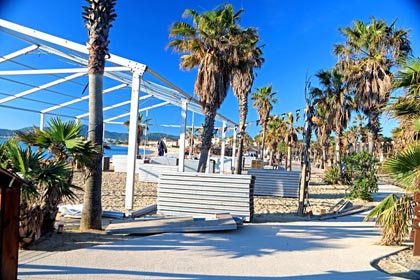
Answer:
(66, 272)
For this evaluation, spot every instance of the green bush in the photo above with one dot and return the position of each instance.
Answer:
(332, 175)
(361, 171)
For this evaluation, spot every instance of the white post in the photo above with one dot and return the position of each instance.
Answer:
(41, 122)
(145, 135)
(181, 150)
(234, 150)
(222, 151)
(208, 162)
(192, 135)
(132, 139)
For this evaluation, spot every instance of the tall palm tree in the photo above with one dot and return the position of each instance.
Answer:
(291, 138)
(263, 101)
(142, 125)
(359, 121)
(366, 58)
(341, 105)
(245, 57)
(394, 214)
(276, 129)
(98, 16)
(323, 129)
(207, 45)
(322, 120)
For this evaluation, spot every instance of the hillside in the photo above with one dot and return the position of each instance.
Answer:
(121, 136)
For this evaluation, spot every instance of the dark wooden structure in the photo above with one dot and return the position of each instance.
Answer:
(9, 223)
(416, 225)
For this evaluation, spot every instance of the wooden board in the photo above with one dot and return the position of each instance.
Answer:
(180, 224)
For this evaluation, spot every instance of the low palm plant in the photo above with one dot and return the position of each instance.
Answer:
(394, 213)
(49, 169)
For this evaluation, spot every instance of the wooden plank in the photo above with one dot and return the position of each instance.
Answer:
(188, 224)
(176, 211)
(9, 227)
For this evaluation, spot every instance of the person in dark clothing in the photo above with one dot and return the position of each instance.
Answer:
(161, 148)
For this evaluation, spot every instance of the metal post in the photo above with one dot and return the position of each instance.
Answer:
(234, 150)
(182, 135)
(132, 142)
(42, 122)
(192, 135)
(222, 151)
(145, 135)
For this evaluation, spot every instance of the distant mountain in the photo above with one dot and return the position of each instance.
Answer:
(121, 136)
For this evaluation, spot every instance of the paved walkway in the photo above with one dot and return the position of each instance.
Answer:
(335, 249)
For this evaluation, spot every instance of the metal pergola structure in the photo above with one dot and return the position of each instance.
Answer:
(38, 66)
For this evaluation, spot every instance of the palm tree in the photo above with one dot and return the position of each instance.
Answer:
(276, 129)
(263, 101)
(394, 214)
(142, 125)
(323, 129)
(65, 147)
(207, 45)
(341, 105)
(366, 58)
(98, 15)
(290, 139)
(322, 120)
(246, 56)
(359, 120)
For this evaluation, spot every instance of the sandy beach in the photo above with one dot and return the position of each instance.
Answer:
(267, 209)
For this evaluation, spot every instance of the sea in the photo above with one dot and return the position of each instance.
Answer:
(110, 150)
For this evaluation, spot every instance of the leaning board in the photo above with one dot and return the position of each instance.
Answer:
(200, 194)
(276, 182)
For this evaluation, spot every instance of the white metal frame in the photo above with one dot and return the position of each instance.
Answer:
(126, 72)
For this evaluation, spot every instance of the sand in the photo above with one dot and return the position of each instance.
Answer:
(267, 209)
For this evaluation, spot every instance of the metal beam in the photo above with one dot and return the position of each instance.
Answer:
(18, 53)
(81, 99)
(140, 110)
(140, 68)
(115, 106)
(132, 142)
(57, 71)
(222, 151)
(181, 150)
(41, 87)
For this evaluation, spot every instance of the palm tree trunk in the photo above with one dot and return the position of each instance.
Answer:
(208, 132)
(92, 205)
(337, 148)
(324, 157)
(238, 162)
(263, 142)
(243, 111)
(289, 158)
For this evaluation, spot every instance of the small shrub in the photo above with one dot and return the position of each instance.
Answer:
(332, 175)
(360, 169)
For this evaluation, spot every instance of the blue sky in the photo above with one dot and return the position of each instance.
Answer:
(298, 37)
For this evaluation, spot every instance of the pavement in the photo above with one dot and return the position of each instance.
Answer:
(342, 248)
